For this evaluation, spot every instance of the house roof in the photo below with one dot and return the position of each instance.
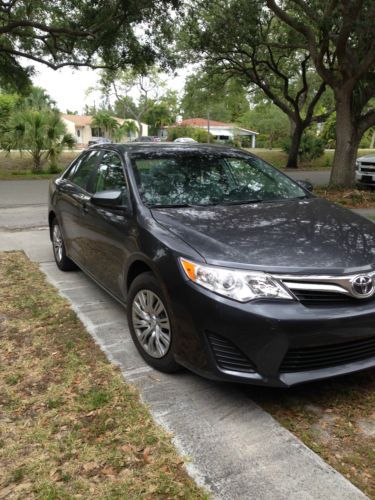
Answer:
(203, 122)
(82, 120)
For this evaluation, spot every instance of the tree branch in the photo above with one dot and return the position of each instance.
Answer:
(366, 121)
(43, 27)
(51, 65)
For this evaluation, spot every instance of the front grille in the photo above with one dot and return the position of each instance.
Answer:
(313, 358)
(320, 298)
(228, 357)
(367, 164)
(365, 169)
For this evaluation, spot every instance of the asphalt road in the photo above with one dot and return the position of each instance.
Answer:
(236, 449)
(316, 177)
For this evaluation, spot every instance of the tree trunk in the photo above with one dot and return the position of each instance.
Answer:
(347, 142)
(294, 146)
(37, 163)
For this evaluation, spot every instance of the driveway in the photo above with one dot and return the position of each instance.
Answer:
(236, 449)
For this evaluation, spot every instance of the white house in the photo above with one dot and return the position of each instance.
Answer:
(221, 131)
(80, 126)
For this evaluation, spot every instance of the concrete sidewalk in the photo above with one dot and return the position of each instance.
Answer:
(237, 450)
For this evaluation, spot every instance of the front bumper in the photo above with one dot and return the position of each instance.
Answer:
(365, 177)
(274, 343)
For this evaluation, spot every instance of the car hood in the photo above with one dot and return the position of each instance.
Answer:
(367, 158)
(293, 236)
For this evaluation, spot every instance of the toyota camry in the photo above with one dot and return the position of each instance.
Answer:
(225, 265)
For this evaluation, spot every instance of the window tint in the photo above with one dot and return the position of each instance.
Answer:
(110, 174)
(80, 175)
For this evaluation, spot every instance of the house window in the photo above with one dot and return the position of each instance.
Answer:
(78, 133)
(97, 132)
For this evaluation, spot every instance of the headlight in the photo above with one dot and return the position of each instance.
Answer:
(357, 165)
(238, 285)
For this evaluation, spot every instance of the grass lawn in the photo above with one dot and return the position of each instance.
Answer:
(278, 158)
(335, 418)
(70, 427)
(15, 166)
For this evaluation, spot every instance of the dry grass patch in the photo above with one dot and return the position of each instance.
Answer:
(70, 427)
(335, 418)
(349, 198)
(15, 166)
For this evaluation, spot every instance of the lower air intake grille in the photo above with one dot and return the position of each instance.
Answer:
(228, 357)
(320, 298)
(313, 358)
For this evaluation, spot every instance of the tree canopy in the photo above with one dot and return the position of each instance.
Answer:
(340, 38)
(240, 39)
(225, 100)
(75, 33)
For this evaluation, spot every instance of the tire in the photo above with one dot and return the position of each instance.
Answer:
(151, 323)
(62, 261)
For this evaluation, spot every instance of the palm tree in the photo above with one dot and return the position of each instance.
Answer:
(41, 133)
(128, 128)
(38, 99)
(103, 120)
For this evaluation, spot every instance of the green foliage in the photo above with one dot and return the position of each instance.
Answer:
(340, 38)
(38, 99)
(310, 148)
(128, 129)
(106, 122)
(162, 112)
(148, 89)
(328, 134)
(271, 123)
(41, 133)
(71, 33)
(201, 135)
(8, 103)
(198, 134)
(225, 100)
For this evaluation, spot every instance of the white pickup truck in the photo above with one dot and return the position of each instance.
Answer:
(365, 170)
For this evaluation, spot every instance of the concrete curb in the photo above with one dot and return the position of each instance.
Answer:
(237, 450)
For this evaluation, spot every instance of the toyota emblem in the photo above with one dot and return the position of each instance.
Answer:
(362, 286)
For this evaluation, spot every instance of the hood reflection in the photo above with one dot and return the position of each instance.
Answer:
(293, 236)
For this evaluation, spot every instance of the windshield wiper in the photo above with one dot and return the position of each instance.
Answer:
(241, 202)
(170, 205)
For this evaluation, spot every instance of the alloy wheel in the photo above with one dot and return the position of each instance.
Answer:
(57, 243)
(151, 323)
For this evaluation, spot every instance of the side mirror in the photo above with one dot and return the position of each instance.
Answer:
(306, 185)
(109, 199)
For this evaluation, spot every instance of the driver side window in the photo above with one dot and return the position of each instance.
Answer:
(110, 175)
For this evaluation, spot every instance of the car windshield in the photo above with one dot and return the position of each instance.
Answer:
(209, 179)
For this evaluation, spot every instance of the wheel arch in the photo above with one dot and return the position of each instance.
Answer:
(137, 267)
(51, 216)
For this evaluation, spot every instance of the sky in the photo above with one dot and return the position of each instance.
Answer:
(68, 87)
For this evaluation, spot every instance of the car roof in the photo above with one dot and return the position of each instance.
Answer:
(154, 147)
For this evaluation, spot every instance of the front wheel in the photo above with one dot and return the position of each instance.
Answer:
(62, 260)
(151, 324)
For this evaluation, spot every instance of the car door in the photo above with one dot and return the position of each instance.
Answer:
(72, 197)
(109, 229)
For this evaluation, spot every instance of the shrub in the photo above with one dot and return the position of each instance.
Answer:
(198, 134)
(311, 147)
